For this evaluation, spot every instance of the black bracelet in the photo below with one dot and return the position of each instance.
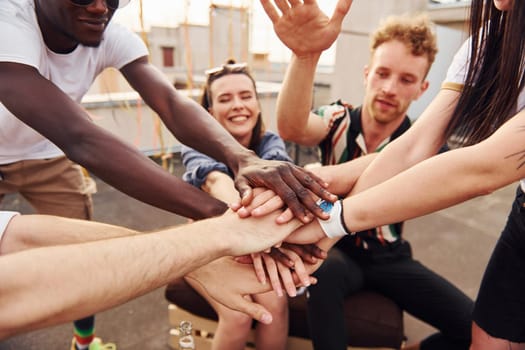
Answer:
(348, 231)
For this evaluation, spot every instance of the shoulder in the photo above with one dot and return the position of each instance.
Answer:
(121, 46)
(116, 31)
(334, 110)
(15, 11)
(457, 71)
(20, 37)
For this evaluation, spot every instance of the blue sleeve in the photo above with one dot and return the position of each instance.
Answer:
(198, 166)
(272, 147)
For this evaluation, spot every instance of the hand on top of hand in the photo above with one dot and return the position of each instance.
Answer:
(297, 188)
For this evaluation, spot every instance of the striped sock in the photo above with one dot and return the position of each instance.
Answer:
(84, 332)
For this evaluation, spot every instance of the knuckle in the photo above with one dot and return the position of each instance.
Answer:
(302, 193)
(308, 180)
(289, 196)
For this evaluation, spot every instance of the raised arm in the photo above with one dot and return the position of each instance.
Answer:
(192, 125)
(307, 31)
(66, 124)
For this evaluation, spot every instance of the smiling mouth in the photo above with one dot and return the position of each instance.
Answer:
(239, 118)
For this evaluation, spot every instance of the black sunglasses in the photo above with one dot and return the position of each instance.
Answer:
(112, 4)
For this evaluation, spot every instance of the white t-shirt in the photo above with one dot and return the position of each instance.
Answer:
(5, 218)
(21, 42)
(457, 74)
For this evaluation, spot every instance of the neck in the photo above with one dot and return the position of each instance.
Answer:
(374, 132)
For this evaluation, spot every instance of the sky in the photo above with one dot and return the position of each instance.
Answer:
(173, 12)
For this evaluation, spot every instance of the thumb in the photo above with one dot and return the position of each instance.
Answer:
(256, 311)
(245, 191)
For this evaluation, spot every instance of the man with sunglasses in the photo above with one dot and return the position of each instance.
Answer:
(50, 53)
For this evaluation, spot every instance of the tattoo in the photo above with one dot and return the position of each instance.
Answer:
(521, 154)
(521, 158)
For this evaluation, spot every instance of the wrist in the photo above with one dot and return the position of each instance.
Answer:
(335, 226)
(311, 58)
(241, 159)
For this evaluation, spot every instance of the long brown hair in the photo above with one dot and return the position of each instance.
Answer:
(495, 74)
(230, 67)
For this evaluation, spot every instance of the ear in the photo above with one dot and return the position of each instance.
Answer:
(424, 87)
(366, 71)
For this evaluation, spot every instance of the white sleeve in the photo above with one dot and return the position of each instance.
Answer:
(5, 218)
(122, 46)
(20, 39)
(457, 71)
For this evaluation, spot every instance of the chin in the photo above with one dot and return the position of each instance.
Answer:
(503, 5)
(90, 39)
(91, 43)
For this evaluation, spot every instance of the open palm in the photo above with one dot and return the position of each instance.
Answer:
(302, 26)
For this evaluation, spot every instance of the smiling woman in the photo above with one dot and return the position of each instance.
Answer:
(231, 98)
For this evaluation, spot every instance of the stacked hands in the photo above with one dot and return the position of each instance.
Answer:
(287, 264)
(290, 262)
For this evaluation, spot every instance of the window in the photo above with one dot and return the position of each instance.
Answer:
(167, 56)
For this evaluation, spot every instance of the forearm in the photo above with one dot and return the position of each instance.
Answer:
(34, 231)
(294, 101)
(420, 142)
(50, 290)
(437, 183)
(141, 178)
(220, 186)
(342, 177)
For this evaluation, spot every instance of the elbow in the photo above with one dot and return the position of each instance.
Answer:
(79, 148)
(286, 133)
(296, 136)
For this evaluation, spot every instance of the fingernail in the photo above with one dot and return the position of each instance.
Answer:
(306, 283)
(266, 318)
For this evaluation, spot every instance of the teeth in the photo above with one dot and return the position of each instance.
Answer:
(238, 118)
